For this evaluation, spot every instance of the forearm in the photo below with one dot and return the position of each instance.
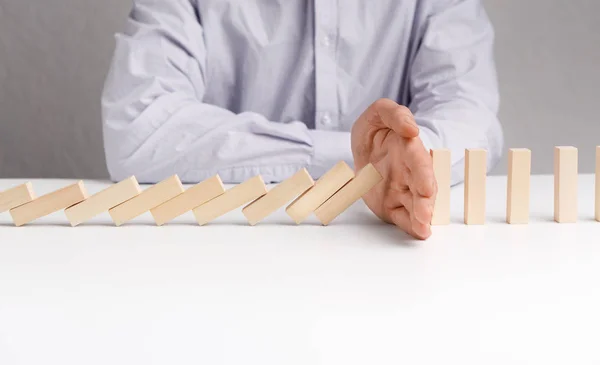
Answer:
(196, 141)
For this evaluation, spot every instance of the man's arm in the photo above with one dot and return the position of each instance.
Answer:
(453, 82)
(156, 124)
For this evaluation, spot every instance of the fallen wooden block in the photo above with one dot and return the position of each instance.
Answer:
(324, 188)
(148, 199)
(278, 196)
(565, 184)
(598, 183)
(518, 186)
(16, 196)
(233, 198)
(442, 170)
(49, 203)
(364, 181)
(103, 201)
(192, 198)
(475, 178)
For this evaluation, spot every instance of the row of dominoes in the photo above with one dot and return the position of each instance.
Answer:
(330, 196)
(518, 186)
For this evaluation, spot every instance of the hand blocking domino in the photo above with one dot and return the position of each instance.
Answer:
(329, 197)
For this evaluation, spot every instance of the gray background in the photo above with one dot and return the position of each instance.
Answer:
(54, 56)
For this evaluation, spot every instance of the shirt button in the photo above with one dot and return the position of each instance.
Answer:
(326, 120)
(326, 41)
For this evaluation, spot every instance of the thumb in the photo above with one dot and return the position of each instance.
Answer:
(396, 117)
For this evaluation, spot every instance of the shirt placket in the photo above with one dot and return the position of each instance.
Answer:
(326, 35)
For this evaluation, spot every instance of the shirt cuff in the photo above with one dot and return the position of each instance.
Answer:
(329, 148)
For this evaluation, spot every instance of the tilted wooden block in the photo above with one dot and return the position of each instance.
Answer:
(442, 169)
(148, 199)
(233, 198)
(192, 198)
(475, 178)
(103, 201)
(278, 196)
(49, 203)
(324, 188)
(518, 186)
(16, 196)
(565, 184)
(364, 181)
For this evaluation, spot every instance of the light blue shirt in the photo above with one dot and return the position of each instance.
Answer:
(241, 88)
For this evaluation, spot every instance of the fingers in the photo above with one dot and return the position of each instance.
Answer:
(422, 179)
(402, 218)
(396, 117)
(422, 209)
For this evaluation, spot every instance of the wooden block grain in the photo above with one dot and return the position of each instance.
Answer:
(475, 179)
(16, 196)
(364, 181)
(324, 188)
(49, 203)
(597, 183)
(278, 196)
(233, 198)
(192, 198)
(565, 184)
(103, 201)
(148, 199)
(442, 169)
(518, 186)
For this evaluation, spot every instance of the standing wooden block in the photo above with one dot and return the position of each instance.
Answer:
(192, 198)
(325, 187)
(442, 169)
(597, 183)
(233, 198)
(366, 179)
(475, 177)
(49, 203)
(148, 199)
(517, 195)
(103, 201)
(565, 184)
(278, 196)
(16, 196)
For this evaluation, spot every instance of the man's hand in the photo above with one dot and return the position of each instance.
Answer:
(387, 136)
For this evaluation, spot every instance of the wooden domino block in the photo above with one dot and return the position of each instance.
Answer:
(278, 196)
(475, 178)
(148, 199)
(233, 198)
(565, 184)
(324, 188)
(442, 169)
(49, 203)
(192, 198)
(518, 186)
(103, 201)
(597, 183)
(366, 179)
(16, 196)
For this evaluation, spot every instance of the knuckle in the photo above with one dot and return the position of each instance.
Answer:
(383, 103)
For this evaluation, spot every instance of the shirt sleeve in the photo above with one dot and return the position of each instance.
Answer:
(453, 83)
(156, 124)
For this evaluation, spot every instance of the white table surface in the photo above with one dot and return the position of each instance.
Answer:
(356, 292)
